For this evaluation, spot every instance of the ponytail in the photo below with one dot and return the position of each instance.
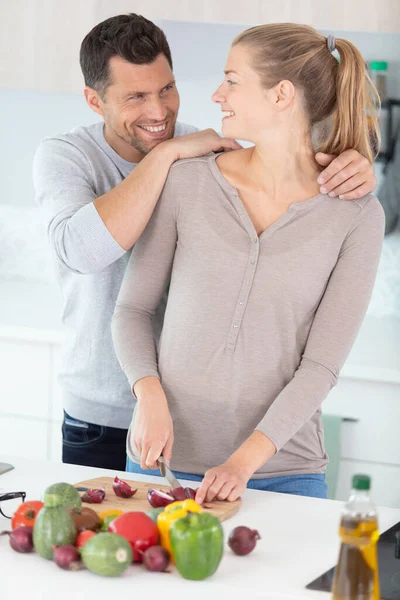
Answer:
(355, 118)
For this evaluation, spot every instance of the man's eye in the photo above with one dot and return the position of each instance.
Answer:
(136, 97)
(168, 87)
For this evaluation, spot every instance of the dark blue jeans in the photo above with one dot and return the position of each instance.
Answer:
(93, 445)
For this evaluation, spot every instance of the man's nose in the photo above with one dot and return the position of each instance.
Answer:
(157, 110)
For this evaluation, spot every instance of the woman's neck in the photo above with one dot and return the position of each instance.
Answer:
(284, 166)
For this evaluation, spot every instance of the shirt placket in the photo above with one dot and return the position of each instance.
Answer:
(243, 299)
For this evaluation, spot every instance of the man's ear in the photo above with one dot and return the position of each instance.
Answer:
(93, 100)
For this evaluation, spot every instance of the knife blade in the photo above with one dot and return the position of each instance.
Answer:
(165, 472)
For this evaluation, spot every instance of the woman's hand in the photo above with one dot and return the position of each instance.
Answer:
(226, 482)
(153, 433)
(229, 480)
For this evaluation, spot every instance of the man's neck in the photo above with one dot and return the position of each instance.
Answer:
(122, 148)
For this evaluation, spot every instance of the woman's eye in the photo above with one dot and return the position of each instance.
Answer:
(230, 82)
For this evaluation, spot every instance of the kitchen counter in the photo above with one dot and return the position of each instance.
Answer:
(299, 542)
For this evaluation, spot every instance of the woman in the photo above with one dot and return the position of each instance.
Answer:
(269, 278)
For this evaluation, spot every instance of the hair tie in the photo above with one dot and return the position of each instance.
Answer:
(331, 43)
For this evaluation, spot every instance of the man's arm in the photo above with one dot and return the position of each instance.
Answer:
(88, 233)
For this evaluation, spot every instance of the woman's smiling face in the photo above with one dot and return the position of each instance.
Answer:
(250, 110)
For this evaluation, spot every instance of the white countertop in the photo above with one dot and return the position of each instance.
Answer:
(299, 542)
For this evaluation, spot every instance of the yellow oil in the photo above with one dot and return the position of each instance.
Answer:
(357, 575)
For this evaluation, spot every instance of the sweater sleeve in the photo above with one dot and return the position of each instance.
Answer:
(64, 191)
(146, 278)
(334, 328)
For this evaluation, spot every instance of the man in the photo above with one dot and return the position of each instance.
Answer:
(98, 187)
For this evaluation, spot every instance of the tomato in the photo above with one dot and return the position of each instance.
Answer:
(139, 529)
(83, 537)
(26, 513)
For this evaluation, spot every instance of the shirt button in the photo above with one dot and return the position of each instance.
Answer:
(235, 325)
(253, 262)
(241, 302)
(256, 240)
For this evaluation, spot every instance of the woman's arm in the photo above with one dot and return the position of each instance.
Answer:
(334, 329)
(146, 278)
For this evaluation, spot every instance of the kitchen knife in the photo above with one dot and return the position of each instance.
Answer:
(165, 472)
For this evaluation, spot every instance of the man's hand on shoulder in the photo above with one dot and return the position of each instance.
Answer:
(198, 144)
(349, 176)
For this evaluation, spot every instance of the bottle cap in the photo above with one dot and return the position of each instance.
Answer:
(380, 65)
(361, 482)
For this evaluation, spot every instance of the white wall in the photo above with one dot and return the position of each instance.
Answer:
(199, 51)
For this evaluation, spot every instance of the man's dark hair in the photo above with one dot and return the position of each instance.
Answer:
(131, 36)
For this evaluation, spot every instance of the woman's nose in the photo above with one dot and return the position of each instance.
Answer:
(217, 95)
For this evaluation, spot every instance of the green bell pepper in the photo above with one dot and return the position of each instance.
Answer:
(197, 542)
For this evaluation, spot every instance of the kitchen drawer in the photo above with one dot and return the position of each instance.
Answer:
(23, 437)
(25, 378)
(385, 489)
(376, 406)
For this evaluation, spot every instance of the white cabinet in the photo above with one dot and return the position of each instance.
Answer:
(25, 371)
(23, 437)
(30, 405)
(370, 443)
(41, 38)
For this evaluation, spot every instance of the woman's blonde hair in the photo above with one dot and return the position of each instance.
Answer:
(340, 89)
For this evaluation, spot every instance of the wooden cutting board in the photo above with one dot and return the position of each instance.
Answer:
(223, 510)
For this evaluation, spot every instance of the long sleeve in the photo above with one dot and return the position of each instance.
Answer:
(146, 278)
(334, 329)
(79, 238)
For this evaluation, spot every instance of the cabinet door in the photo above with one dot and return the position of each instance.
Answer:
(375, 405)
(23, 438)
(25, 378)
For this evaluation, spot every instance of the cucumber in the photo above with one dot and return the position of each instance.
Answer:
(107, 554)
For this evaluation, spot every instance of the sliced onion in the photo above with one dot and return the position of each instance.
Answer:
(122, 489)
(94, 496)
(181, 493)
(158, 499)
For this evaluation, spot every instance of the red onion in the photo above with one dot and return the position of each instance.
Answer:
(122, 489)
(20, 538)
(180, 493)
(67, 557)
(157, 498)
(242, 540)
(156, 558)
(94, 496)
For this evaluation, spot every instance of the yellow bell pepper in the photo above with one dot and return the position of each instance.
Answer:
(173, 512)
(110, 511)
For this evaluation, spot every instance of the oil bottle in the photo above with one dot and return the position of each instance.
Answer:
(357, 575)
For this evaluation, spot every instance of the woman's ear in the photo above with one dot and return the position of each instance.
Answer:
(284, 93)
